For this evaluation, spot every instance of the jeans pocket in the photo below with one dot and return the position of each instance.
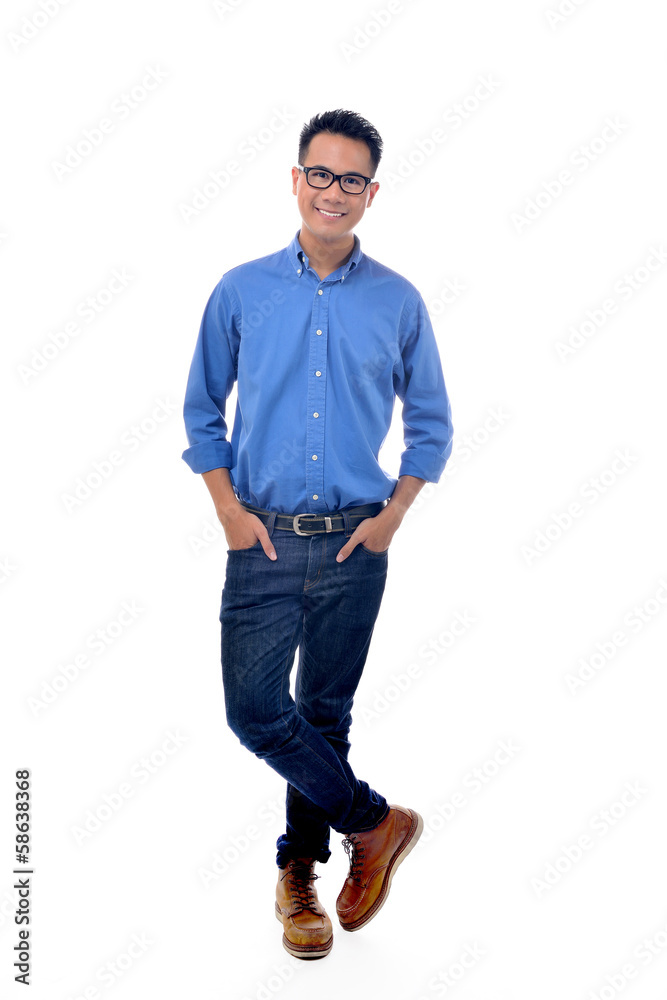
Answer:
(248, 548)
(371, 552)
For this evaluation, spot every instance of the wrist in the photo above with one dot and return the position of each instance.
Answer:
(393, 512)
(405, 492)
(228, 509)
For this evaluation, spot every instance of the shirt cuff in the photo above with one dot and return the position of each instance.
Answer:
(208, 455)
(425, 465)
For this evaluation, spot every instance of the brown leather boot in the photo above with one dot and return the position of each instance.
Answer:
(307, 928)
(374, 857)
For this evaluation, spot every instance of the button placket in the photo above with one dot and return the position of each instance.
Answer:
(317, 361)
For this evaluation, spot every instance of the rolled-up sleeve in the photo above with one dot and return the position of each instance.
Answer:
(212, 375)
(420, 385)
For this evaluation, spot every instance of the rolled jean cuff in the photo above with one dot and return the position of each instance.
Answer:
(365, 829)
(287, 852)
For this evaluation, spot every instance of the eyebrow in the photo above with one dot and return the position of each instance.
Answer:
(320, 166)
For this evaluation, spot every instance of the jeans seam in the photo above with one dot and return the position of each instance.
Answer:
(308, 584)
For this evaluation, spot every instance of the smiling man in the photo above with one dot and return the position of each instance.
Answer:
(320, 339)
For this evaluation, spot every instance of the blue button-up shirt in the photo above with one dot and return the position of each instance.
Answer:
(318, 365)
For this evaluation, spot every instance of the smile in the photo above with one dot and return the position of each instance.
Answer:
(329, 215)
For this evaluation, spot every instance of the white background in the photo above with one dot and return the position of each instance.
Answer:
(491, 874)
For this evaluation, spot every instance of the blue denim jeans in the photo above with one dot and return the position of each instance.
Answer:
(304, 600)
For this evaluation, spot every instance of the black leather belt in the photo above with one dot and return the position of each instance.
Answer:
(316, 524)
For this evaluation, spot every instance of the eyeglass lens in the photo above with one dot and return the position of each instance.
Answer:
(351, 183)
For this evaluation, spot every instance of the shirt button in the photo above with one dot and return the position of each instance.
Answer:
(343, 278)
(319, 291)
(298, 270)
(314, 458)
(319, 333)
(316, 414)
(318, 374)
(315, 496)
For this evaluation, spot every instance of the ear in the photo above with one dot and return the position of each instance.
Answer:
(373, 188)
(295, 178)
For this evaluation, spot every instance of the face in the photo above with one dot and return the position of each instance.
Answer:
(340, 155)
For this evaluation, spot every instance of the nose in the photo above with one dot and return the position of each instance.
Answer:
(333, 195)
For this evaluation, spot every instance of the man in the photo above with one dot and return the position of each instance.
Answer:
(320, 338)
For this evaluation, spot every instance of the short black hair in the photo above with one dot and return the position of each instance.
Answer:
(340, 122)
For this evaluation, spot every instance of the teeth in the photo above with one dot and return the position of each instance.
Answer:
(332, 215)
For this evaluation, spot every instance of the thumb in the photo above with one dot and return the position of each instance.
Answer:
(266, 543)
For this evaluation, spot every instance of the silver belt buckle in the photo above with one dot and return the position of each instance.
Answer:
(295, 525)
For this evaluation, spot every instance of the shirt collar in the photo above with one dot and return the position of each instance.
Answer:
(299, 259)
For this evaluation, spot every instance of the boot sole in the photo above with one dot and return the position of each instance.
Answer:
(303, 950)
(411, 839)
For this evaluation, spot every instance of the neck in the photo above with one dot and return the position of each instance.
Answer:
(326, 257)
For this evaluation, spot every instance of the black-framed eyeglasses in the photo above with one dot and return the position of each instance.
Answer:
(318, 177)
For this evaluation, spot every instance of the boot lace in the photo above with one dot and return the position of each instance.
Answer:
(299, 878)
(354, 848)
